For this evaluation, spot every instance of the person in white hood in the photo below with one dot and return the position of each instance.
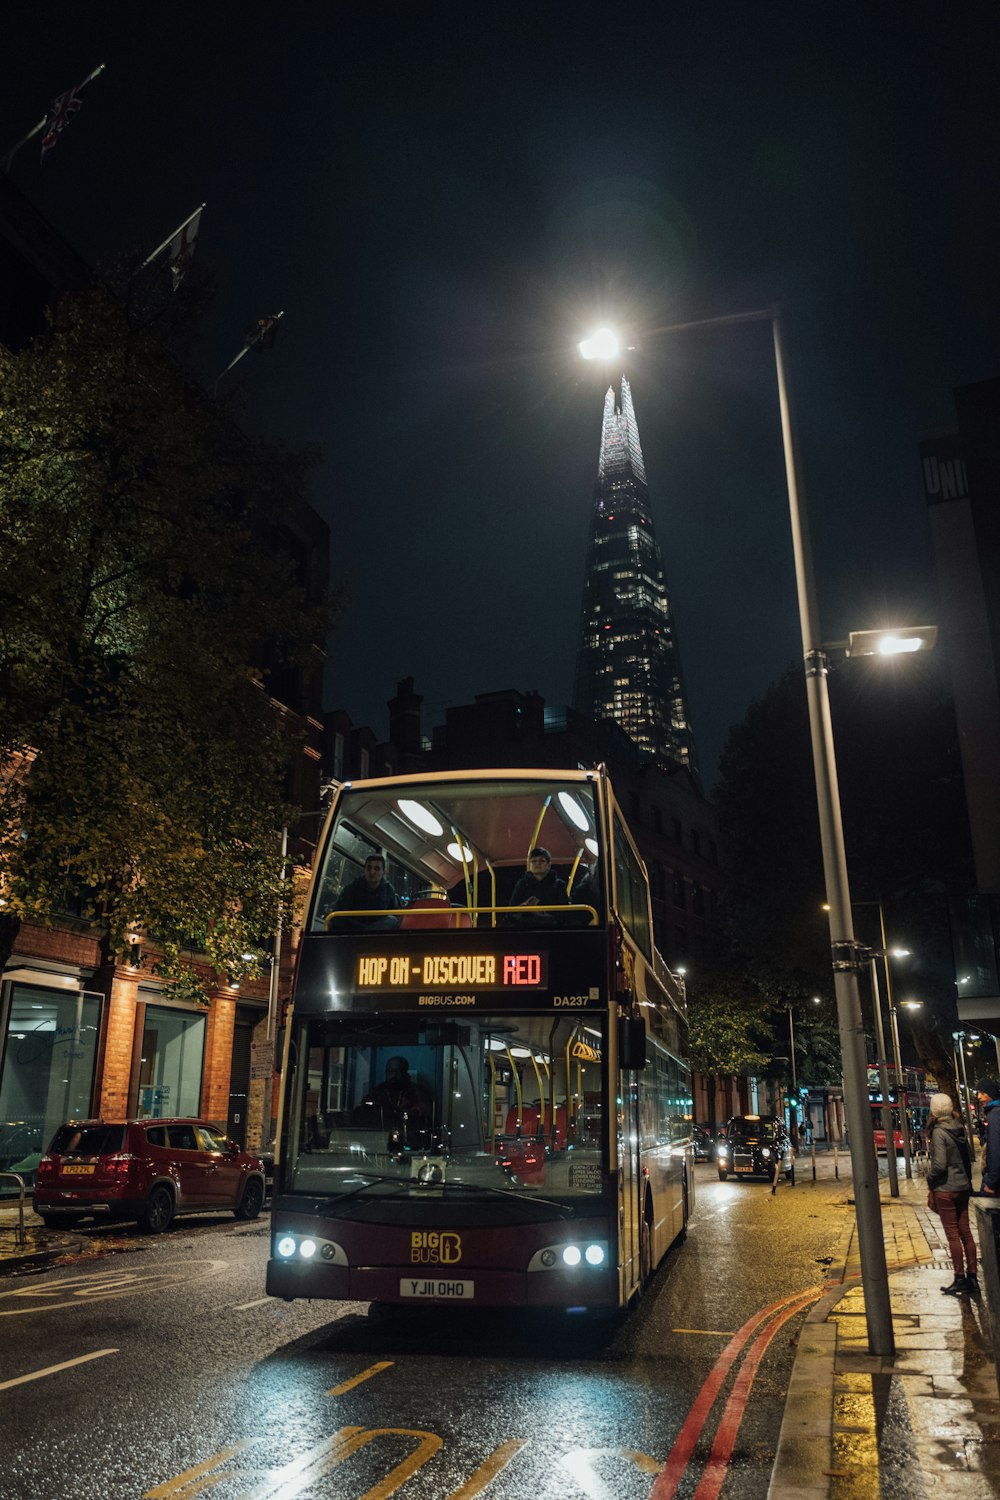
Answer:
(949, 1183)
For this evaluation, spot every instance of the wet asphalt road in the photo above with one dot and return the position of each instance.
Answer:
(179, 1378)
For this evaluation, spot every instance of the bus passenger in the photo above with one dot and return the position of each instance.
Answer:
(370, 892)
(541, 886)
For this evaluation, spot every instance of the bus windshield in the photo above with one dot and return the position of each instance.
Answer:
(397, 1106)
(460, 845)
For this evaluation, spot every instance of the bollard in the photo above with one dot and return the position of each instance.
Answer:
(812, 1152)
(836, 1163)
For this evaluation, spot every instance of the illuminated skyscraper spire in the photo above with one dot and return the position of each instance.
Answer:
(628, 667)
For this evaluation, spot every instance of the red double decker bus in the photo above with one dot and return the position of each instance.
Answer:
(483, 1102)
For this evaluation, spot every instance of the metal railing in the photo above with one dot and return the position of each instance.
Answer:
(19, 1235)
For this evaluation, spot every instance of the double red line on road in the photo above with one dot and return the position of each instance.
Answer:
(764, 1324)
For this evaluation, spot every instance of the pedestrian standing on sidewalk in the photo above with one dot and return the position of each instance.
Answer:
(988, 1094)
(949, 1183)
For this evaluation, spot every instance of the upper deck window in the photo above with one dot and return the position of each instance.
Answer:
(454, 850)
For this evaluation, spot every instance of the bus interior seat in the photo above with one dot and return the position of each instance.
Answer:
(433, 911)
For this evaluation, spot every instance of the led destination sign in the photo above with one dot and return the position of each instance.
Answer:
(449, 971)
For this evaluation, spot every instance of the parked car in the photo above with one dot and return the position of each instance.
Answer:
(703, 1145)
(148, 1170)
(751, 1147)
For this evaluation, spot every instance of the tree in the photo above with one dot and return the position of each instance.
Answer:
(725, 1019)
(906, 833)
(142, 581)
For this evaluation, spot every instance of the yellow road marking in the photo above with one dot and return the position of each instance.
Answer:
(498, 1459)
(349, 1385)
(196, 1479)
(427, 1445)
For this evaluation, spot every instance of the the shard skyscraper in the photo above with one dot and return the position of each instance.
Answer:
(628, 668)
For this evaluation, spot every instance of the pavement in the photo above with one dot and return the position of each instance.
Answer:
(856, 1426)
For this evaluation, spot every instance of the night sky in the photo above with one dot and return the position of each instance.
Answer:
(443, 198)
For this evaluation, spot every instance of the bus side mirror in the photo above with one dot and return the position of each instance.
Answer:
(631, 1042)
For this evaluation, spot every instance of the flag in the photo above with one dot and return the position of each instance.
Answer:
(262, 334)
(62, 111)
(181, 249)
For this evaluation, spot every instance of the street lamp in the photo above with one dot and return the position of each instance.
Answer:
(847, 957)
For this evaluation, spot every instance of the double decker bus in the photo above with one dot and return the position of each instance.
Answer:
(913, 1100)
(482, 1103)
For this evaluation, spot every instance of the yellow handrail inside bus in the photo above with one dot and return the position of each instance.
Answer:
(541, 1092)
(469, 911)
(517, 1087)
(572, 873)
(493, 1103)
(538, 825)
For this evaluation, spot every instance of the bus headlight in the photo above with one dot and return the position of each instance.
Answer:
(594, 1255)
(285, 1246)
(307, 1249)
(571, 1255)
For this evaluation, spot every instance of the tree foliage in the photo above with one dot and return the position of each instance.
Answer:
(142, 761)
(906, 834)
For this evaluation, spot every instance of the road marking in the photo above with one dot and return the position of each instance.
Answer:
(67, 1364)
(665, 1485)
(349, 1385)
(98, 1286)
(729, 1423)
(198, 1478)
(242, 1306)
(498, 1459)
(428, 1444)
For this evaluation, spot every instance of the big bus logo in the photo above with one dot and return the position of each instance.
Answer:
(430, 1248)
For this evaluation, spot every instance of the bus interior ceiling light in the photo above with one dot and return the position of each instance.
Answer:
(420, 816)
(591, 844)
(574, 811)
(460, 851)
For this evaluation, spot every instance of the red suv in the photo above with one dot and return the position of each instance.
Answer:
(147, 1170)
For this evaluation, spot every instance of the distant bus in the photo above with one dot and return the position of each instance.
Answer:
(485, 1104)
(916, 1106)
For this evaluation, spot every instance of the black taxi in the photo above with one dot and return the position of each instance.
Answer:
(754, 1146)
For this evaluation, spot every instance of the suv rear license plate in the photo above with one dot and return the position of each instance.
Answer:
(79, 1171)
(460, 1290)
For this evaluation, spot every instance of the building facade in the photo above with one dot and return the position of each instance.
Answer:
(628, 664)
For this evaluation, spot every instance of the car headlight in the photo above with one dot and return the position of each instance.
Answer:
(722, 1150)
(765, 1150)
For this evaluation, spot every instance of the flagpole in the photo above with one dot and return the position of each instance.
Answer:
(9, 157)
(245, 350)
(179, 230)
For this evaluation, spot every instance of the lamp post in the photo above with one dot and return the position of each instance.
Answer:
(846, 955)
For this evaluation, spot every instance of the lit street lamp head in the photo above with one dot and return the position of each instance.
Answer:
(604, 344)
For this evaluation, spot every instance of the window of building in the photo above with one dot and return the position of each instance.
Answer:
(680, 897)
(48, 1069)
(173, 1049)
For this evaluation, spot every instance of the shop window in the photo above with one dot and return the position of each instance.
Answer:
(173, 1047)
(48, 1070)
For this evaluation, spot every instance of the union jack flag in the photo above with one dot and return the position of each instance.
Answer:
(62, 111)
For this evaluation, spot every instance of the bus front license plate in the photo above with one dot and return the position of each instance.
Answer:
(409, 1286)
